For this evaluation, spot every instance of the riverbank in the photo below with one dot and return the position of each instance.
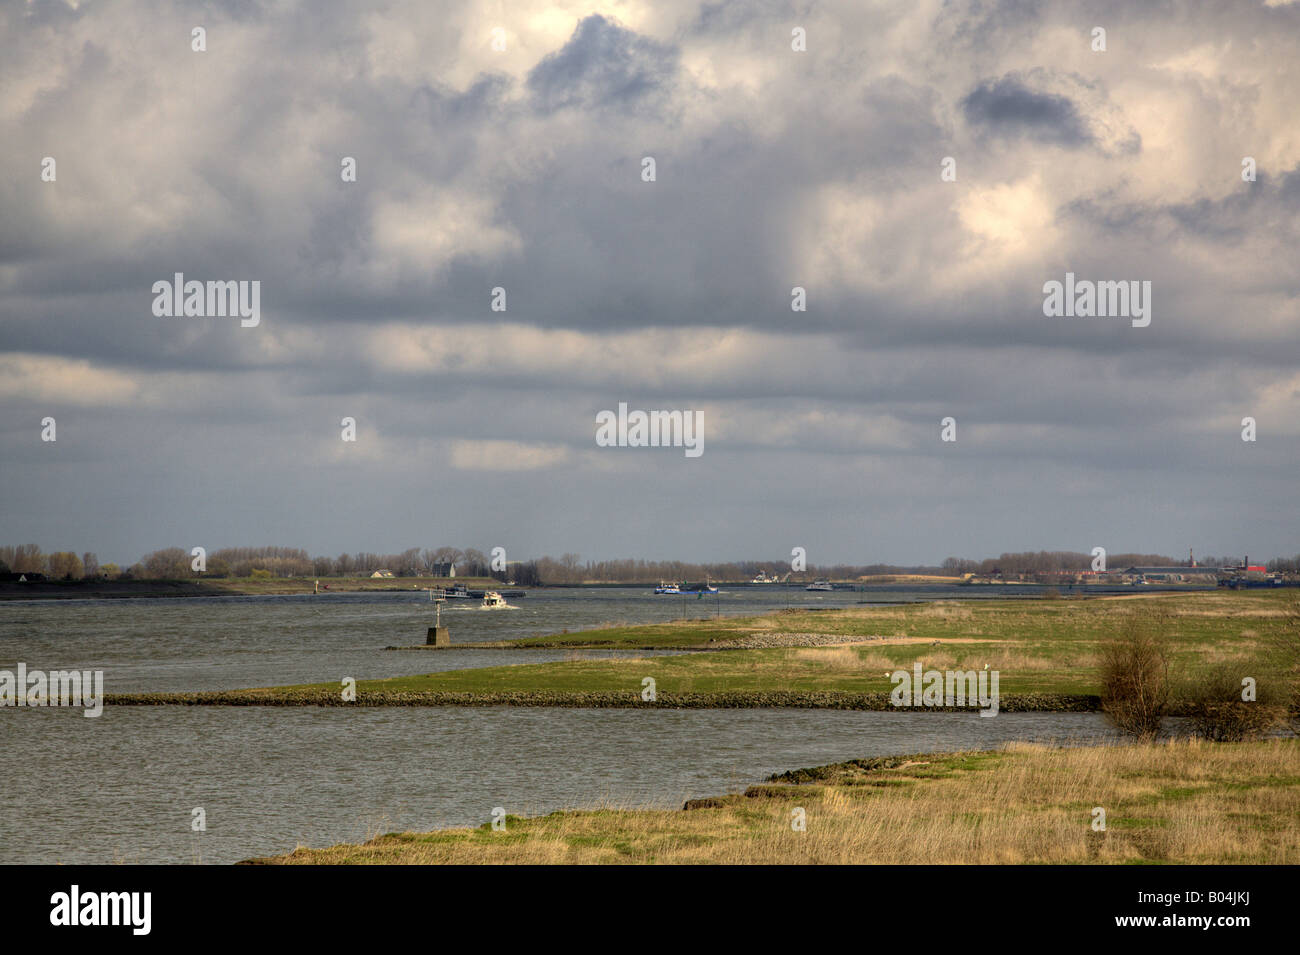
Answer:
(1046, 655)
(98, 589)
(1186, 802)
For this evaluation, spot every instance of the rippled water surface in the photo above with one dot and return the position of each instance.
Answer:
(212, 643)
(122, 787)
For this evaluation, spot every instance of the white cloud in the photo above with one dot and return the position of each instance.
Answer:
(61, 381)
(490, 455)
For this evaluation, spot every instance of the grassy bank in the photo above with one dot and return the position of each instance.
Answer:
(1045, 629)
(1046, 653)
(1185, 802)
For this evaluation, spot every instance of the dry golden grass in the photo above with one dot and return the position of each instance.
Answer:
(946, 609)
(1183, 802)
(836, 658)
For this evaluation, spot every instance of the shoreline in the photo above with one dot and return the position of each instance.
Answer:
(1046, 652)
(879, 702)
(1005, 804)
(117, 589)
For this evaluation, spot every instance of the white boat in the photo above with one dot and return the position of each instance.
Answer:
(664, 588)
(820, 584)
(493, 601)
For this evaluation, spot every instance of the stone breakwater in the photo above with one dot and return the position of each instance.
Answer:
(1009, 703)
(766, 641)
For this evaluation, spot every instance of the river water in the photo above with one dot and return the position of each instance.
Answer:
(123, 787)
(223, 643)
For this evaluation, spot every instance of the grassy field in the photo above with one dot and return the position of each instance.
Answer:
(1043, 627)
(1184, 802)
(1038, 647)
(1046, 653)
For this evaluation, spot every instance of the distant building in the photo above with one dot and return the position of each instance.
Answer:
(1174, 574)
(382, 573)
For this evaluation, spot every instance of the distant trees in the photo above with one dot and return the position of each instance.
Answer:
(169, 563)
(277, 561)
(568, 568)
(1050, 562)
(64, 565)
(23, 559)
(475, 564)
(408, 563)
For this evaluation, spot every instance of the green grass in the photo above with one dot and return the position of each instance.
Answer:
(1042, 647)
(680, 634)
(1045, 652)
(736, 671)
(1044, 627)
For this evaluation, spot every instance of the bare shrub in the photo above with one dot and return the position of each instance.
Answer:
(1213, 701)
(1135, 674)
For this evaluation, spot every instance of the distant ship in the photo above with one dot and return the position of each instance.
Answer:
(705, 588)
(671, 588)
(820, 584)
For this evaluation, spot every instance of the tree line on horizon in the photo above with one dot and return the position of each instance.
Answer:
(175, 563)
(1058, 561)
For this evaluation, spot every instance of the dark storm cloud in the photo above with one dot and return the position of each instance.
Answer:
(602, 66)
(1269, 203)
(521, 169)
(1269, 198)
(1009, 108)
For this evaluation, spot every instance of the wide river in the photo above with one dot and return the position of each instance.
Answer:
(124, 787)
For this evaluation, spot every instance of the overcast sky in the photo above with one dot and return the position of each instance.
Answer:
(522, 169)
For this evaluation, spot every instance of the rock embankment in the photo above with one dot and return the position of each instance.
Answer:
(1021, 702)
(766, 641)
